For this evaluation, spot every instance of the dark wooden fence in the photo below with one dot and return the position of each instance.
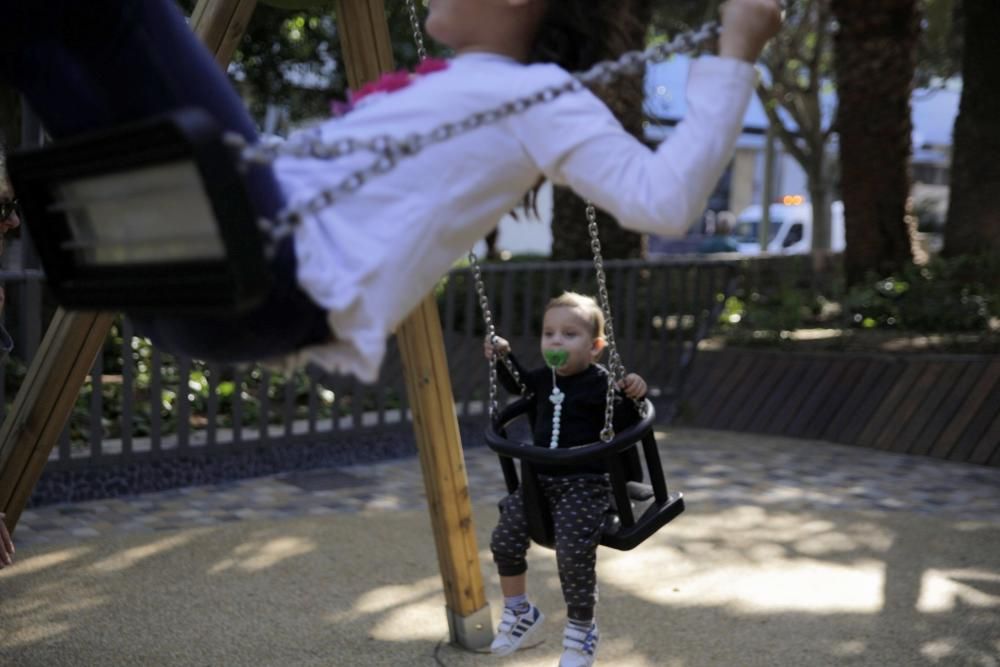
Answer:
(944, 406)
(140, 405)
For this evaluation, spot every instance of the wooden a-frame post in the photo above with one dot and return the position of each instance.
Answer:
(367, 53)
(71, 343)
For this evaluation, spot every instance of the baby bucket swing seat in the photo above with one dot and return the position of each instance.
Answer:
(637, 509)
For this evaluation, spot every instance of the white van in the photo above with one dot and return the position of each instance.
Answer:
(791, 228)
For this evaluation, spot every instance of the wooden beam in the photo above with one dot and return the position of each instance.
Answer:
(445, 479)
(221, 25)
(367, 52)
(44, 402)
(364, 40)
(46, 397)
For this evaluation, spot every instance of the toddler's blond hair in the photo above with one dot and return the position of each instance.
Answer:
(592, 313)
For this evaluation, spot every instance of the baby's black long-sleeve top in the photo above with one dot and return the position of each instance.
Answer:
(582, 418)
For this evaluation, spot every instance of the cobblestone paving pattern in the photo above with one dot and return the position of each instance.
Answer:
(710, 467)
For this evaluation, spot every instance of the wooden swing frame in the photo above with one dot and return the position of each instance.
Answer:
(71, 344)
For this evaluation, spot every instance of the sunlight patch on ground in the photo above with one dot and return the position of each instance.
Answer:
(36, 633)
(413, 612)
(76, 605)
(131, 557)
(752, 560)
(849, 649)
(253, 557)
(44, 561)
(386, 597)
(939, 649)
(51, 601)
(403, 606)
(41, 615)
(826, 544)
(944, 590)
(422, 620)
(776, 584)
(800, 586)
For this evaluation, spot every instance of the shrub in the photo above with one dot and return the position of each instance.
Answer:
(946, 295)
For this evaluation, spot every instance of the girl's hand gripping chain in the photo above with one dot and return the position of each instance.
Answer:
(747, 25)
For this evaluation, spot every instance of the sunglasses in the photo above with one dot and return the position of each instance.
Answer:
(8, 208)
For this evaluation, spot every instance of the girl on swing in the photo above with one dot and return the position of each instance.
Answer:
(569, 395)
(350, 273)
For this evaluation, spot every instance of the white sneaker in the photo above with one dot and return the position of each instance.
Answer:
(579, 646)
(515, 629)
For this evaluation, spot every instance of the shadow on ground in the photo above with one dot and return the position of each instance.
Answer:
(721, 586)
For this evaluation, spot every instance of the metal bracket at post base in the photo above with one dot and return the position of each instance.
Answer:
(473, 632)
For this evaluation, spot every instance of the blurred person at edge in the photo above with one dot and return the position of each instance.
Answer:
(9, 220)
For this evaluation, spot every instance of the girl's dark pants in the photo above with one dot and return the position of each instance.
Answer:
(578, 504)
(89, 65)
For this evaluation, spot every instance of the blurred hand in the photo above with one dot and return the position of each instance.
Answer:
(747, 25)
(499, 346)
(633, 386)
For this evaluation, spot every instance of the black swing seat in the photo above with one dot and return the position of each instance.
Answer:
(638, 509)
(147, 217)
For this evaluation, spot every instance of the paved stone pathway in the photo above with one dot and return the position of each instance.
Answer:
(710, 467)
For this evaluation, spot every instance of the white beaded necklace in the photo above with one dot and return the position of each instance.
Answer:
(556, 397)
(555, 359)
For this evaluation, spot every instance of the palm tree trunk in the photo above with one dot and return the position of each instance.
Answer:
(875, 62)
(973, 225)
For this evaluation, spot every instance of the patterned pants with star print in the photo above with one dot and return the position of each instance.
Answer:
(578, 504)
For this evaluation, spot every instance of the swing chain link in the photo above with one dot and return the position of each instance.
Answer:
(389, 151)
(416, 142)
(491, 334)
(608, 432)
(418, 35)
(616, 369)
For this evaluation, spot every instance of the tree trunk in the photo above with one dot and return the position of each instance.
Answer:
(973, 225)
(875, 54)
(625, 98)
(820, 197)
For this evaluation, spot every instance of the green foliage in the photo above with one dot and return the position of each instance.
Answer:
(939, 52)
(290, 55)
(946, 295)
(785, 309)
(955, 295)
(206, 389)
(299, 5)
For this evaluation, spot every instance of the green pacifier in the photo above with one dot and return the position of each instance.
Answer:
(556, 358)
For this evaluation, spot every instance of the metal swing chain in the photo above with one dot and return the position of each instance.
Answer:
(616, 369)
(491, 334)
(389, 151)
(418, 35)
(484, 303)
